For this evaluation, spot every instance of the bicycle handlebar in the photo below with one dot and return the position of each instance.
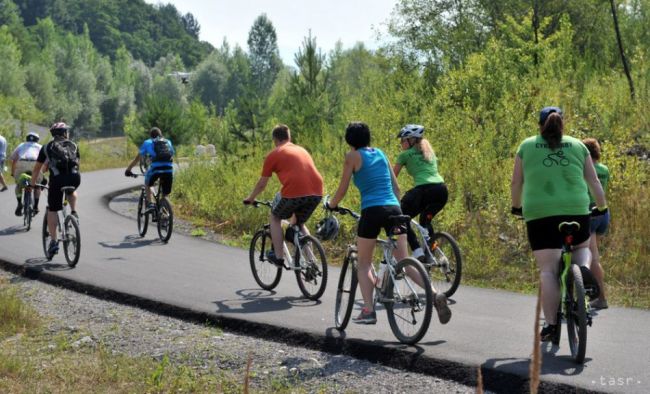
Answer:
(344, 211)
(256, 203)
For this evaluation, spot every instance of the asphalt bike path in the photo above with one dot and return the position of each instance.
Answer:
(204, 280)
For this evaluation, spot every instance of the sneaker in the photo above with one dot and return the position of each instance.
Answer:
(599, 304)
(270, 255)
(549, 332)
(76, 215)
(591, 285)
(19, 210)
(366, 317)
(151, 207)
(440, 302)
(53, 249)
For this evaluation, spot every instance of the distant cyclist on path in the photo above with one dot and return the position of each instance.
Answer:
(162, 153)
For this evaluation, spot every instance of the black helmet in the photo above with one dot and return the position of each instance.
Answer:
(328, 228)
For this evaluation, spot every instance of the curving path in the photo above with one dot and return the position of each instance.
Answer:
(207, 281)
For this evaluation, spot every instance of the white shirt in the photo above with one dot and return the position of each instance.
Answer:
(3, 148)
(26, 151)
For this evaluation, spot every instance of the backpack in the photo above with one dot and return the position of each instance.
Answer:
(62, 157)
(162, 150)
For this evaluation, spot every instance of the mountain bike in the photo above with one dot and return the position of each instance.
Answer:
(162, 215)
(68, 233)
(447, 265)
(305, 256)
(574, 305)
(408, 305)
(28, 209)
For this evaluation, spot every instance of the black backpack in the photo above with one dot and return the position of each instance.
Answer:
(62, 156)
(162, 150)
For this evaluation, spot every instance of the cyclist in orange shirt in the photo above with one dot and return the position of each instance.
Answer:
(302, 186)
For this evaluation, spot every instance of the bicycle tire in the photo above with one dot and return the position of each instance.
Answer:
(27, 210)
(446, 275)
(401, 305)
(266, 274)
(45, 234)
(165, 220)
(143, 218)
(313, 269)
(576, 315)
(346, 291)
(72, 241)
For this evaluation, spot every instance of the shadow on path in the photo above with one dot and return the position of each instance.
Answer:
(12, 230)
(41, 264)
(130, 242)
(257, 300)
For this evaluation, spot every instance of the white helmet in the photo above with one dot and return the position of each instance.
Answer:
(411, 131)
(32, 137)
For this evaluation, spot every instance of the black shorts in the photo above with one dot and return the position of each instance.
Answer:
(55, 194)
(544, 233)
(166, 180)
(303, 207)
(425, 200)
(373, 219)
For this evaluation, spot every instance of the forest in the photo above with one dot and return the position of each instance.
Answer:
(474, 72)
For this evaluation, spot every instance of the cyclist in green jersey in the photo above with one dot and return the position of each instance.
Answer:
(599, 224)
(550, 182)
(429, 195)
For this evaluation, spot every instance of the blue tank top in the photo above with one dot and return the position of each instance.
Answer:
(373, 179)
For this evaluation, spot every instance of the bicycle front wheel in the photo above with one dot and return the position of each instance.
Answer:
(46, 237)
(27, 210)
(446, 270)
(312, 275)
(72, 241)
(266, 274)
(345, 291)
(165, 220)
(143, 218)
(576, 314)
(409, 301)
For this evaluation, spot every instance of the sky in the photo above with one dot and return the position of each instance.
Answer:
(349, 21)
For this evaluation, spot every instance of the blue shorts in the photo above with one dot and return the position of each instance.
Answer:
(599, 224)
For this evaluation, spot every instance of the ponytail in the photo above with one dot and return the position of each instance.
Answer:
(425, 148)
(552, 130)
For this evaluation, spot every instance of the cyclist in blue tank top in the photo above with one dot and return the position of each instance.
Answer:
(373, 176)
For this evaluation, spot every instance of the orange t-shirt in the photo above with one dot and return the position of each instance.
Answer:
(295, 169)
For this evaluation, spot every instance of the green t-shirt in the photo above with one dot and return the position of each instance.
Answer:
(603, 176)
(423, 172)
(554, 181)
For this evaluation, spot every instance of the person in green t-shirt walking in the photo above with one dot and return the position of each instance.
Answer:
(430, 194)
(599, 224)
(550, 183)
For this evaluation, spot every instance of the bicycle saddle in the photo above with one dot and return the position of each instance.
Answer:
(569, 227)
(398, 224)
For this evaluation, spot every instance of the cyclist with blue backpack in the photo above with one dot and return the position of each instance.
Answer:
(161, 152)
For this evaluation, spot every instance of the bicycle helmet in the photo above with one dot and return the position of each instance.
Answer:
(59, 128)
(32, 137)
(328, 228)
(411, 131)
(546, 111)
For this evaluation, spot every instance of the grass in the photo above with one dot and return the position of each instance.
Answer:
(33, 359)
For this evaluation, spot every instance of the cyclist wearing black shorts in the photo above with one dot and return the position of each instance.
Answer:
(62, 158)
(550, 182)
(371, 172)
(161, 152)
(429, 195)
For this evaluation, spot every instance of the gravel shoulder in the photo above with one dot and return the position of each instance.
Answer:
(275, 366)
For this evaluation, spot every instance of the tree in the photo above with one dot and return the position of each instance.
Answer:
(209, 82)
(191, 25)
(626, 67)
(264, 55)
(12, 82)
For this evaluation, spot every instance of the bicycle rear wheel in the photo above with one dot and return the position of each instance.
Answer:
(312, 276)
(143, 218)
(266, 274)
(27, 210)
(45, 234)
(409, 305)
(576, 314)
(165, 220)
(72, 240)
(447, 268)
(345, 292)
